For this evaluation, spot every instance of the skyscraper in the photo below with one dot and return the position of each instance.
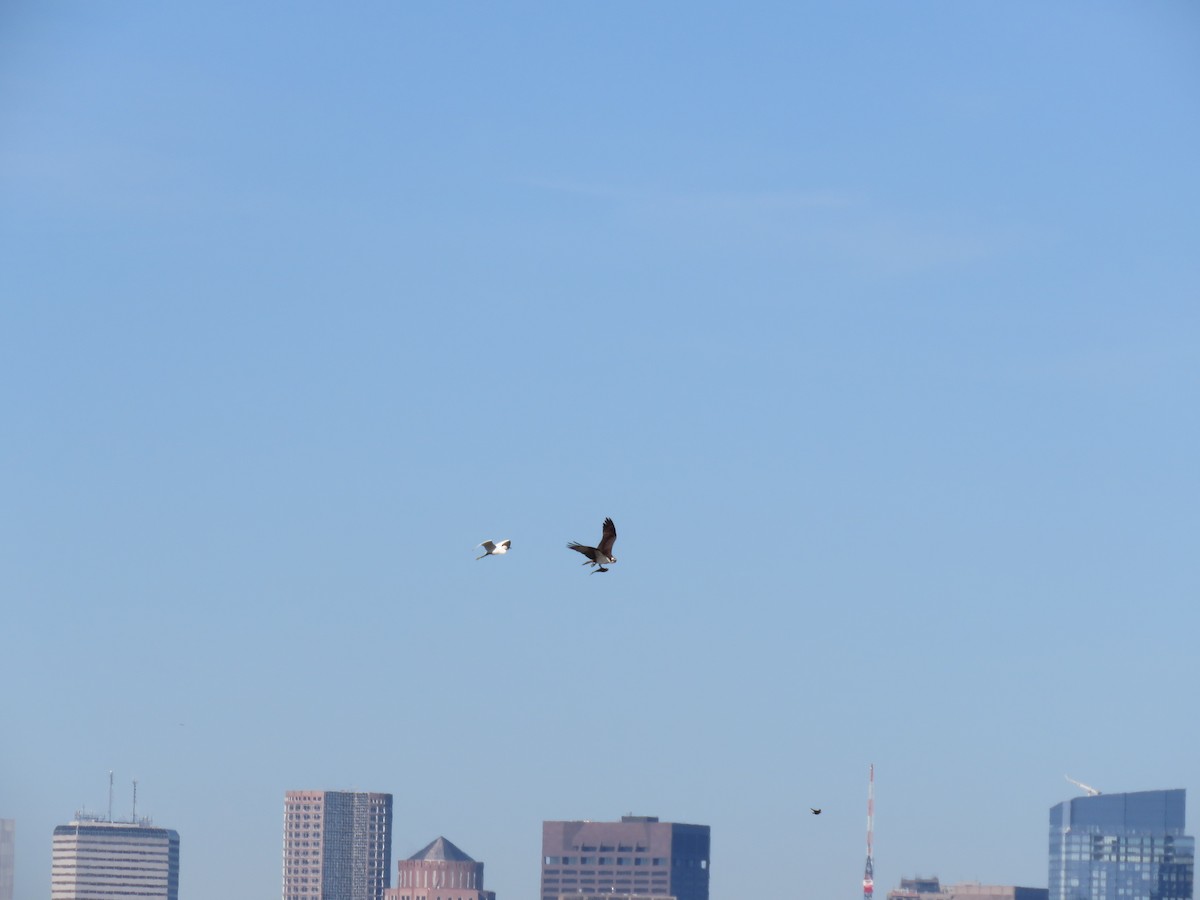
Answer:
(7, 857)
(337, 845)
(442, 870)
(1121, 847)
(98, 859)
(636, 857)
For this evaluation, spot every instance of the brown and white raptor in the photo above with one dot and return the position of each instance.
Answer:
(600, 556)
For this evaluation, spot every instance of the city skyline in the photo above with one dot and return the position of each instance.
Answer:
(873, 330)
(572, 851)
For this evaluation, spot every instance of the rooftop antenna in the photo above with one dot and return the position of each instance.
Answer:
(110, 789)
(1091, 791)
(134, 817)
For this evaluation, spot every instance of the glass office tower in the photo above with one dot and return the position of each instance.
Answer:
(1121, 847)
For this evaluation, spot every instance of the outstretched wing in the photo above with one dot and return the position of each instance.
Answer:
(589, 552)
(609, 538)
(488, 546)
(505, 544)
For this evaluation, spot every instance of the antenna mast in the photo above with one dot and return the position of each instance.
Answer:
(133, 818)
(110, 785)
(869, 873)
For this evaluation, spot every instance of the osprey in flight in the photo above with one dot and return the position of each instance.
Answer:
(497, 548)
(599, 556)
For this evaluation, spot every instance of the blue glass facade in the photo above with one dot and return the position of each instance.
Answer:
(1121, 847)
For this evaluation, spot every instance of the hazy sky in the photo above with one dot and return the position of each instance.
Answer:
(874, 326)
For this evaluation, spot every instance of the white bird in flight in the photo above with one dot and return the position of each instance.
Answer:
(494, 548)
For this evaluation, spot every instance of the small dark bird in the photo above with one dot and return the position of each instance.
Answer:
(815, 812)
(600, 556)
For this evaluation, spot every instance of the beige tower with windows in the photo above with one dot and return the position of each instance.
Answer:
(337, 845)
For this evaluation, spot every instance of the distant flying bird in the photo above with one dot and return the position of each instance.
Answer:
(815, 812)
(601, 556)
(497, 548)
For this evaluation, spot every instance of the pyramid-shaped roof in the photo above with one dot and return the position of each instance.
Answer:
(441, 849)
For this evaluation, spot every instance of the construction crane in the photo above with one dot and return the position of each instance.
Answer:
(869, 873)
(1091, 791)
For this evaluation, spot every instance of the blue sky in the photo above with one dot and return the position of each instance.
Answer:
(873, 327)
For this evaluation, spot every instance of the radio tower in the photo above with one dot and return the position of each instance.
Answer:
(869, 872)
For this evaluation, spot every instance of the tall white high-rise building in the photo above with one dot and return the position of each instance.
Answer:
(337, 845)
(104, 860)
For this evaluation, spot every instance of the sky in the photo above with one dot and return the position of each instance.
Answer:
(874, 328)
